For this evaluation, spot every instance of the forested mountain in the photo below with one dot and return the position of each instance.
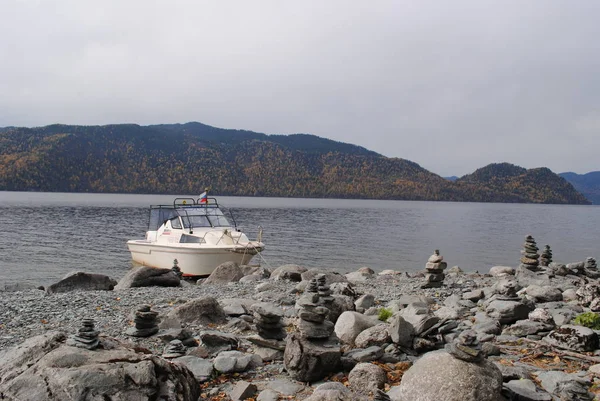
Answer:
(538, 185)
(588, 184)
(184, 158)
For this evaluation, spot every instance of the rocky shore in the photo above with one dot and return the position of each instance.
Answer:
(513, 333)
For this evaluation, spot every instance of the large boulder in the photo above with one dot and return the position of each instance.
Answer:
(544, 294)
(330, 276)
(144, 276)
(367, 378)
(333, 391)
(440, 376)
(508, 312)
(401, 331)
(310, 361)
(288, 272)
(376, 335)
(198, 311)
(350, 324)
(43, 368)
(228, 272)
(419, 316)
(575, 338)
(80, 281)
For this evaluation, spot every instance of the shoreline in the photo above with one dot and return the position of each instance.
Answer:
(29, 313)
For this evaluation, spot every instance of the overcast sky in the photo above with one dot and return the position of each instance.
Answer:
(452, 85)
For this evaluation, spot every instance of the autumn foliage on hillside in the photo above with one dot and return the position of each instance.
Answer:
(178, 159)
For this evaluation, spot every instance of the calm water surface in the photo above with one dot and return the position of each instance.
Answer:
(46, 235)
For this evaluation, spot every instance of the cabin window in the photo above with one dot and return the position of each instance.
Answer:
(190, 239)
(176, 223)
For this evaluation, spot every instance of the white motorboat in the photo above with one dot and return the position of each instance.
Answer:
(196, 233)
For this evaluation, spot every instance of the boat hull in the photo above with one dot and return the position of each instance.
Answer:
(192, 260)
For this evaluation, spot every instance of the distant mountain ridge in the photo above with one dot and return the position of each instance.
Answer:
(184, 158)
(588, 184)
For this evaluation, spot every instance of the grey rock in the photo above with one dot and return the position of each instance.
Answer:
(288, 272)
(286, 387)
(309, 361)
(228, 272)
(333, 391)
(566, 386)
(497, 271)
(268, 395)
(376, 335)
(236, 306)
(81, 281)
(508, 311)
(350, 324)
(198, 311)
(364, 302)
(440, 376)
(525, 390)
(260, 271)
(366, 378)
(313, 330)
(242, 391)
(401, 331)
(144, 276)
(216, 341)
(574, 338)
(201, 368)
(372, 353)
(524, 328)
(544, 294)
(235, 361)
(474, 295)
(419, 317)
(43, 369)
(330, 276)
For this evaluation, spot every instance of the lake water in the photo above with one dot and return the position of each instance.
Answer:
(46, 235)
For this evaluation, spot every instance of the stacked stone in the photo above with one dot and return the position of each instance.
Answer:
(313, 352)
(174, 349)
(434, 271)
(466, 347)
(546, 257)
(324, 291)
(177, 269)
(530, 258)
(313, 312)
(146, 322)
(506, 290)
(590, 263)
(86, 337)
(268, 321)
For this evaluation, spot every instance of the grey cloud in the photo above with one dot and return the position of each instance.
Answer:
(450, 85)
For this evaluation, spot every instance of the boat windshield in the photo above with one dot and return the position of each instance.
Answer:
(203, 217)
(192, 217)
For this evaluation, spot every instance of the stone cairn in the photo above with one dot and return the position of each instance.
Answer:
(590, 263)
(146, 322)
(507, 290)
(546, 256)
(86, 337)
(174, 349)
(530, 257)
(466, 347)
(177, 269)
(268, 321)
(434, 271)
(313, 308)
(313, 352)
